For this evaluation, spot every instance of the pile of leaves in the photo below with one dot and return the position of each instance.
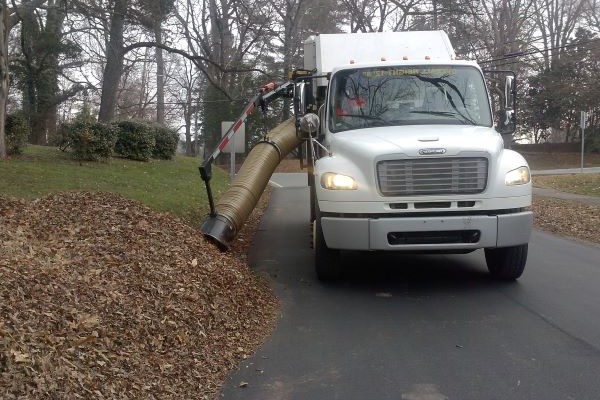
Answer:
(569, 218)
(101, 297)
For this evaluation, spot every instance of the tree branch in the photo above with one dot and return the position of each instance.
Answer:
(196, 60)
(14, 13)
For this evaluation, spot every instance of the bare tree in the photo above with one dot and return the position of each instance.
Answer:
(380, 15)
(291, 13)
(226, 39)
(153, 14)
(502, 25)
(557, 20)
(137, 96)
(293, 22)
(4, 78)
(592, 15)
(187, 81)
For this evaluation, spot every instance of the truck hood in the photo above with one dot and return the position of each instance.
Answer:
(417, 141)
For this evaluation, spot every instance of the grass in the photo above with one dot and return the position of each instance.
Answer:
(174, 186)
(587, 184)
(561, 160)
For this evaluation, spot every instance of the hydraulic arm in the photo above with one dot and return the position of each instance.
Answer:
(237, 203)
(267, 93)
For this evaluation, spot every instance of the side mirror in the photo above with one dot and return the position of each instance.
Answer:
(308, 126)
(509, 93)
(507, 120)
(300, 98)
(506, 123)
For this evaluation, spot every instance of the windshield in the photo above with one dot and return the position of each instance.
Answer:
(412, 95)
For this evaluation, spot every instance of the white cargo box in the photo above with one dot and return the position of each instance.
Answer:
(327, 51)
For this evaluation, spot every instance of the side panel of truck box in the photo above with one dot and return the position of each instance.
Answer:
(327, 51)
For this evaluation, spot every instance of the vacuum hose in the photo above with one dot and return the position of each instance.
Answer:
(236, 204)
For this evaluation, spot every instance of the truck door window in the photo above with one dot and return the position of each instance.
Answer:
(369, 97)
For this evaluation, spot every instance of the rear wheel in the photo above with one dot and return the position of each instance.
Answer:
(327, 261)
(506, 263)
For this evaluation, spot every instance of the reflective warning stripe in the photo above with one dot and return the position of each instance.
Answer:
(223, 144)
(234, 128)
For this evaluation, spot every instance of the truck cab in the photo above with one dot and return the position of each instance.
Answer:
(408, 155)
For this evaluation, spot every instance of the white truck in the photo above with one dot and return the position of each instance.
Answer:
(406, 154)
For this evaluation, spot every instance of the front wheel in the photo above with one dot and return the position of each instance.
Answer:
(313, 197)
(327, 261)
(506, 263)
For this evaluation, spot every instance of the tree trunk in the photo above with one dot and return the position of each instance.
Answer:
(160, 76)
(187, 115)
(30, 34)
(4, 31)
(287, 66)
(114, 63)
(40, 84)
(143, 87)
(49, 98)
(216, 109)
(189, 151)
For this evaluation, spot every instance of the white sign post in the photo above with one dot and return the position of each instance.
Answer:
(236, 143)
(582, 125)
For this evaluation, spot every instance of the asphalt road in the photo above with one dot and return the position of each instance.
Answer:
(422, 327)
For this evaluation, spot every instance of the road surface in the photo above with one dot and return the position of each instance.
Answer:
(422, 327)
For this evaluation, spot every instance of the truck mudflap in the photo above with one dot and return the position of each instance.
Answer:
(428, 233)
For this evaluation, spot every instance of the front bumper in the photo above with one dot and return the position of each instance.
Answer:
(459, 232)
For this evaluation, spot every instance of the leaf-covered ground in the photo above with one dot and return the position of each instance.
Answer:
(567, 218)
(101, 297)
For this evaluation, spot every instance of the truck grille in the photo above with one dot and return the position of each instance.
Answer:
(432, 176)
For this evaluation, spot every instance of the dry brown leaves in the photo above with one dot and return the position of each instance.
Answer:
(568, 218)
(101, 297)
(290, 165)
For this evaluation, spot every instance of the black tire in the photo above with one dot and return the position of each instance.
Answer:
(506, 263)
(327, 261)
(313, 197)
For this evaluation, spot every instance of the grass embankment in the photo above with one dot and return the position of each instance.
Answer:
(586, 184)
(560, 160)
(174, 186)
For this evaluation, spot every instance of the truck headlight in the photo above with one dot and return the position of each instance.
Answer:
(333, 181)
(519, 176)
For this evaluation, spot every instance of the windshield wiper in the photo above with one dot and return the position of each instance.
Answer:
(446, 114)
(365, 116)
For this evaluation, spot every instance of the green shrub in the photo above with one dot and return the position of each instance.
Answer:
(135, 140)
(592, 143)
(86, 140)
(16, 130)
(166, 141)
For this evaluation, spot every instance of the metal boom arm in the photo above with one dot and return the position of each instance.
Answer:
(266, 95)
